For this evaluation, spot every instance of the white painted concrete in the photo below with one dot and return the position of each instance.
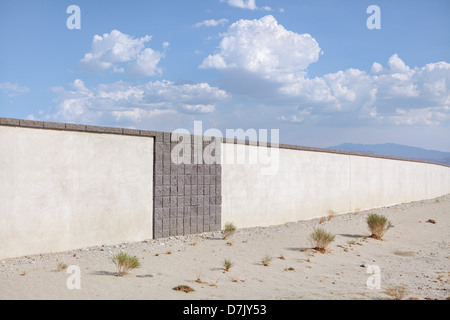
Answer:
(311, 184)
(62, 190)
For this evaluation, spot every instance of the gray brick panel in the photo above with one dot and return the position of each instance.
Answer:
(159, 137)
(166, 223)
(173, 223)
(158, 170)
(158, 214)
(186, 222)
(54, 125)
(157, 233)
(158, 180)
(31, 124)
(186, 195)
(166, 168)
(158, 202)
(131, 132)
(158, 224)
(166, 191)
(9, 122)
(147, 133)
(166, 213)
(166, 202)
(173, 202)
(98, 129)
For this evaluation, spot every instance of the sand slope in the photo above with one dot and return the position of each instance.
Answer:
(414, 254)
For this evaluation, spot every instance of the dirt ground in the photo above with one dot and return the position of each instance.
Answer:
(414, 255)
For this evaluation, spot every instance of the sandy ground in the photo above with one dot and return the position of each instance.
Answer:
(414, 254)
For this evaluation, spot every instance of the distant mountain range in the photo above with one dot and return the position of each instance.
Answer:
(397, 150)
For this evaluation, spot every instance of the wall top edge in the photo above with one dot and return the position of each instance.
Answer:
(164, 136)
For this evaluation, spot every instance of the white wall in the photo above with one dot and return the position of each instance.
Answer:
(309, 184)
(63, 190)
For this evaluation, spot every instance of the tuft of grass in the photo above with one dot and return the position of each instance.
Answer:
(61, 266)
(378, 225)
(282, 257)
(125, 263)
(320, 239)
(289, 269)
(266, 260)
(396, 293)
(183, 288)
(227, 264)
(230, 229)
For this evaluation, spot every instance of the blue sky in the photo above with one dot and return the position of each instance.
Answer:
(311, 69)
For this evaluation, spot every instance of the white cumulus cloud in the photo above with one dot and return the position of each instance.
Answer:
(396, 94)
(120, 52)
(264, 47)
(211, 23)
(124, 102)
(262, 60)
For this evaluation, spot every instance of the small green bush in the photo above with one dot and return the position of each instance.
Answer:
(227, 264)
(230, 228)
(61, 266)
(320, 239)
(125, 263)
(378, 225)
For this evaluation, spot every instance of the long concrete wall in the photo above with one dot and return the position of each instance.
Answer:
(63, 190)
(68, 186)
(308, 184)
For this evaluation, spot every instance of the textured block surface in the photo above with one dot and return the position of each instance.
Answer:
(190, 190)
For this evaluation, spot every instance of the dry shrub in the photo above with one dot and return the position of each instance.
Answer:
(125, 263)
(183, 288)
(227, 264)
(61, 266)
(320, 239)
(396, 293)
(378, 225)
(266, 260)
(230, 228)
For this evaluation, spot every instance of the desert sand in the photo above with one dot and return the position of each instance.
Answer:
(413, 254)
